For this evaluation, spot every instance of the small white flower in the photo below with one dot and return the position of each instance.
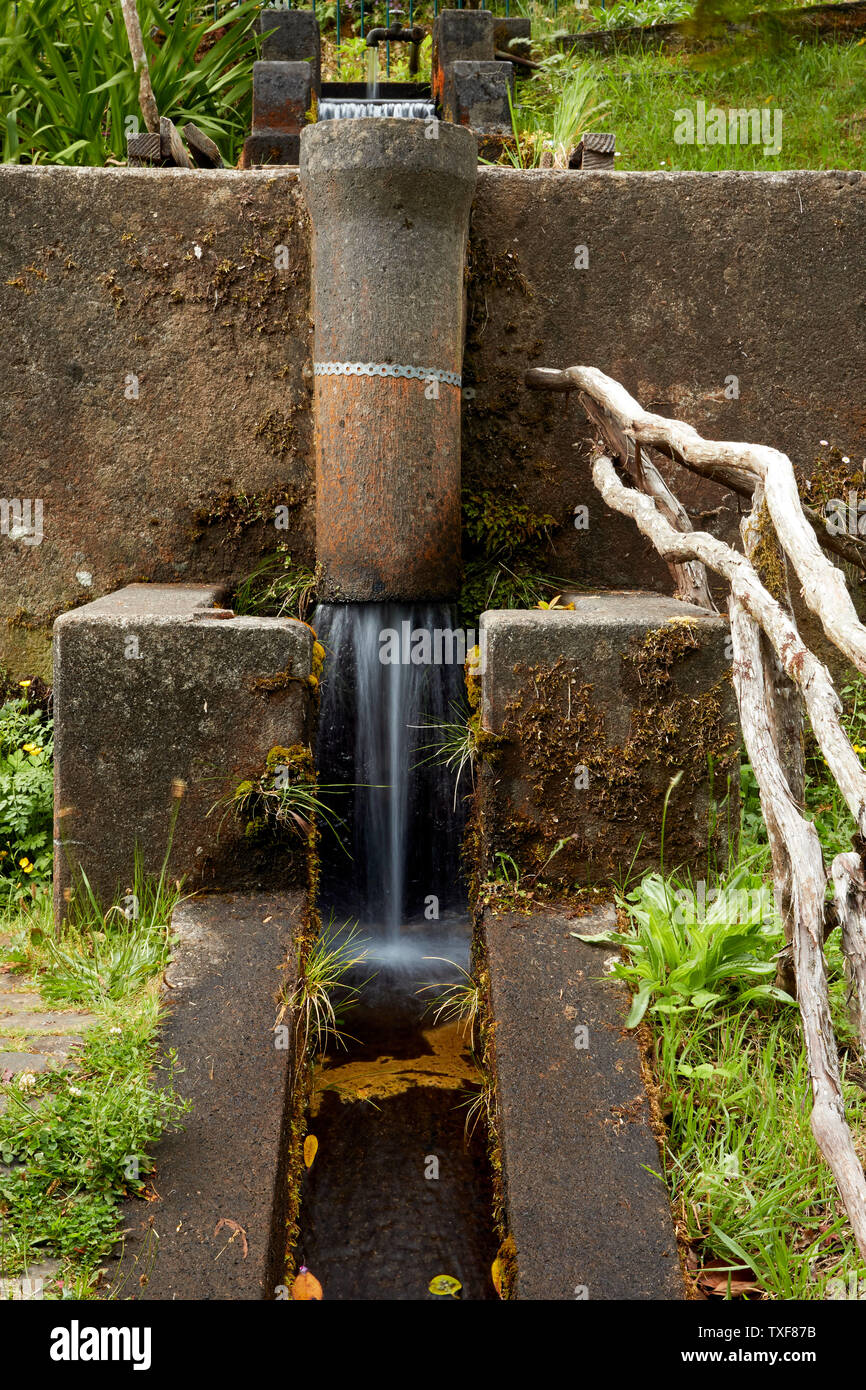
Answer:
(824, 442)
(115, 1030)
(845, 458)
(197, 251)
(75, 1091)
(26, 1081)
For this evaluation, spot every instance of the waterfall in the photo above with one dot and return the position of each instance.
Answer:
(407, 110)
(401, 825)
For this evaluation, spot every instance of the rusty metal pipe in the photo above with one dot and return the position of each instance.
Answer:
(387, 356)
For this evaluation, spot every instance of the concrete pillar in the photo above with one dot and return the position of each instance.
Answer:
(389, 201)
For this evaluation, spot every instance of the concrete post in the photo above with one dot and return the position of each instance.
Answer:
(389, 201)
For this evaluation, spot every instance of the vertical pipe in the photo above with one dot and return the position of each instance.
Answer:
(387, 41)
(390, 214)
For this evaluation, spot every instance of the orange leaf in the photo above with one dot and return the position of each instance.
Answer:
(306, 1286)
(311, 1146)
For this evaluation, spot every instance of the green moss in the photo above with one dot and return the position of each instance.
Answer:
(555, 726)
(768, 557)
(238, 511)
(277, 431)
(830, 477)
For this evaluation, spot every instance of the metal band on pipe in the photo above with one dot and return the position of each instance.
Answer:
(387, 369)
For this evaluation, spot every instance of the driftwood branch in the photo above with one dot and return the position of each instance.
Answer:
(796, 659)
(803, 850)
(851, 549)
(785, 711)
(849, 884)
(146, 99)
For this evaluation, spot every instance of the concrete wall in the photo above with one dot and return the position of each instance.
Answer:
(692, 278)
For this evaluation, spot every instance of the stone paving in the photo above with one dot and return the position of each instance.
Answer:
(34, 1037)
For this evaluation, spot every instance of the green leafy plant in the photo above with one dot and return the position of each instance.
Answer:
(322, 996)
(279, 587)
(455, 1001)
(284, 798)
(561, 105)
(68, 92)
(690, 949)
(26, 796)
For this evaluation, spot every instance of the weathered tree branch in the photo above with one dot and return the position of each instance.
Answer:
(785, 713)
(849, 548)
(146, 99)
(803, 851)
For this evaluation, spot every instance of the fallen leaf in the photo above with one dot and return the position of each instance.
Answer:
(445, 1285)
(496, 1272)
(238, 1231)
(720, 1281)
(311, 1146)
(306, 1286)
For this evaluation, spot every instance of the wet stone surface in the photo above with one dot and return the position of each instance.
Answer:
(397, 1194)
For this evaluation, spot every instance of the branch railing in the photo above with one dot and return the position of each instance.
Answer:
(775, 677)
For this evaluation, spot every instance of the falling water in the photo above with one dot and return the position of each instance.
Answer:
(403, 821)
(405, 110)
(372, 72)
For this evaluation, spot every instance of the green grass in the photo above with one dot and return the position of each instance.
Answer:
(68, 92)
(77, 1142)
(820, 90)
(279, 587)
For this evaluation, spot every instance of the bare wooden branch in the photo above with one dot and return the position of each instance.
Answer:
(851, 549)
(822, 585)
(772, 666)
(803, 849)
(690, 578)
(849, 884)
(146, 99)
(785, 713)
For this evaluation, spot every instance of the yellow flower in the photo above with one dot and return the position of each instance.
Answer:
(28, 869)
(32, 747)
(25, 684)
(23, 863)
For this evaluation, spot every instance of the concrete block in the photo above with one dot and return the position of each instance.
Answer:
(291, 36)
(154, 686)
(598, 709)
(508, 27)
(270, 148)
(282, 96)
(459, 34)
(230, 1162)
(476, 95)
(575, 1121)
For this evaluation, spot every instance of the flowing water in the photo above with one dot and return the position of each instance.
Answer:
(398, 1193)
(377, 731)
(407, 110)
